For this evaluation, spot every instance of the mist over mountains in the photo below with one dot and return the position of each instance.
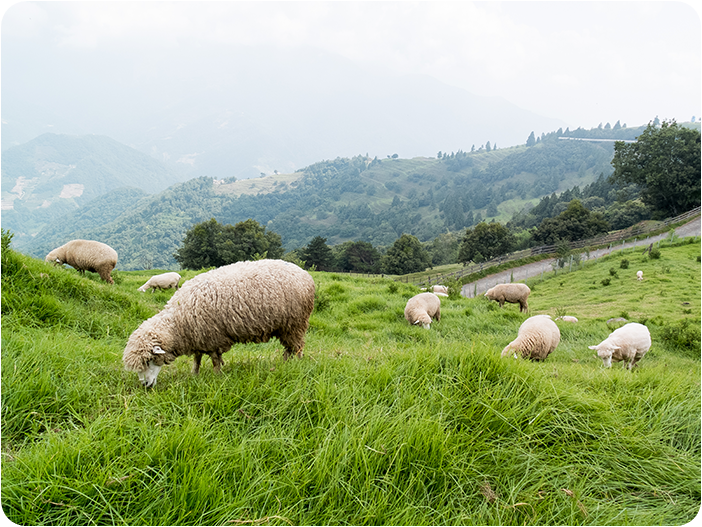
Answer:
(242, 111)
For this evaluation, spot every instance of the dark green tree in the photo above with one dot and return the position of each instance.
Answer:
(406, 255)
(211, 244)
(359, 257)
(488, 240)
(574, 223)
(665, 162)
(531, 140)
(319, 254)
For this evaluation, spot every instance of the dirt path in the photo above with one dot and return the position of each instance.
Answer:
(536, 269)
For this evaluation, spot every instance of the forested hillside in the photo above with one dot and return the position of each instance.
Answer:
(53, 175)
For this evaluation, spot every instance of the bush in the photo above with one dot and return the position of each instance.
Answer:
(606, 281)
(655, 253)
(612, 272)
(624, 264)
(683, 336)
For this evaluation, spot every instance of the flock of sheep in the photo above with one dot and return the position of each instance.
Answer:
(538, 336)
(254, 301)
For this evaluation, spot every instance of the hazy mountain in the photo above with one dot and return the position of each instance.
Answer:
(235, 111)
(54, 174)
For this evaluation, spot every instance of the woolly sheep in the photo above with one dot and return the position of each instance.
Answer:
(421, 308)
(639, 275)
(86, 255)
(629, 343)
(161, 281)
(567, 318)
(512, 293)
(537, 337)
(241, 302)
(440, 289)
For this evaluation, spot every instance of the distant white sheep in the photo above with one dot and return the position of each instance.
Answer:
(161, 281)
(567, 318)
(440, 289)
(639, 275)
(537, 337)
(512, 293)
(629, 343)
(421, 308)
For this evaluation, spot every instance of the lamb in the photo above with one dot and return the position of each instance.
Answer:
(86, 255)
(161, 281)
(422, 308)
(639, 275)
(567, 318)
(512, 293)
(241, 302)
(537, 337)
(629, 343)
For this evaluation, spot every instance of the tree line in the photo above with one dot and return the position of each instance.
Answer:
(655, 177)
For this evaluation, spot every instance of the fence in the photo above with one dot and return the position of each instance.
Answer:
(607, 239)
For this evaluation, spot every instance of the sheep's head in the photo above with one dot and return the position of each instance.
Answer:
(424, 320)
(604, 352)
(144, 355)
(53, 257)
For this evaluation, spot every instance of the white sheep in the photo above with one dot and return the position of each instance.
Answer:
(639, 275)
(241, 302)
(512, 293)
(567, 318)
(537, 337)
(629, 343)
(421, 308)
(440, 289)
(161, 281)
(86, 255)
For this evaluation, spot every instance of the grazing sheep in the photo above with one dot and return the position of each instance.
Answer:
(86, 255)
(639, 275)
(241, 302)
(440, 289)
(161, 281)
(567, 318)
(512, 293)
(422, 308)
(629, 343)
(441, 294)
(537, 337)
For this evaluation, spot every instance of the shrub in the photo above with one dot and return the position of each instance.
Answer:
(654, 253)
(624, 264)
(612, 272)
(606, 281)
(683, 336)
(6, 239)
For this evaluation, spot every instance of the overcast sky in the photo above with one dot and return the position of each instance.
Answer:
(582, 62)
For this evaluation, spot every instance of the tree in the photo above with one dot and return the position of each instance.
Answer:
(406, 255)
(359, 257)
(319, 254)
(211, 244)
(485, 241)
(665, 162)
(531, 140)
(574, 223)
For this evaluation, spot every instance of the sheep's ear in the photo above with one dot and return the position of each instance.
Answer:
(592, 347)
(417, 322)
(158, 351)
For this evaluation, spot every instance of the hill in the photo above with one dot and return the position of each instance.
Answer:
(53, 175)
(359, 198)
(381, 423)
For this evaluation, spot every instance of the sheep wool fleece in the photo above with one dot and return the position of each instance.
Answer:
(537, 337)
(241, 302)
(86, 255)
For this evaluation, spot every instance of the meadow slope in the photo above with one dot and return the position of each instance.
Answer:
(381, 423)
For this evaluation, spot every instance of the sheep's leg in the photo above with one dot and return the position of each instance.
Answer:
(216, 361)
(197, 358)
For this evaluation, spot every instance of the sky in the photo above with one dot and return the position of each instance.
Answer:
(584, 63)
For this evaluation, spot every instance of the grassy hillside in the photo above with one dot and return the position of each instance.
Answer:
(380, 423)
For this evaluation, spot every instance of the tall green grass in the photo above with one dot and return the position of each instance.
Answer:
(380, 423)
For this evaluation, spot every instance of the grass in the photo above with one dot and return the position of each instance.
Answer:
(381, 423)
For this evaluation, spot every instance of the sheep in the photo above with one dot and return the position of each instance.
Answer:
(567, 318)
(512, 293)
(440, 289)
(240, 302)
(639, 275)
(161, 281)
(86, 255)
(422, 308)
(537, 337)
(629, 343)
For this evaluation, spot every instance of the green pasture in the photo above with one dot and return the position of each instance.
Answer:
(381, 423)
